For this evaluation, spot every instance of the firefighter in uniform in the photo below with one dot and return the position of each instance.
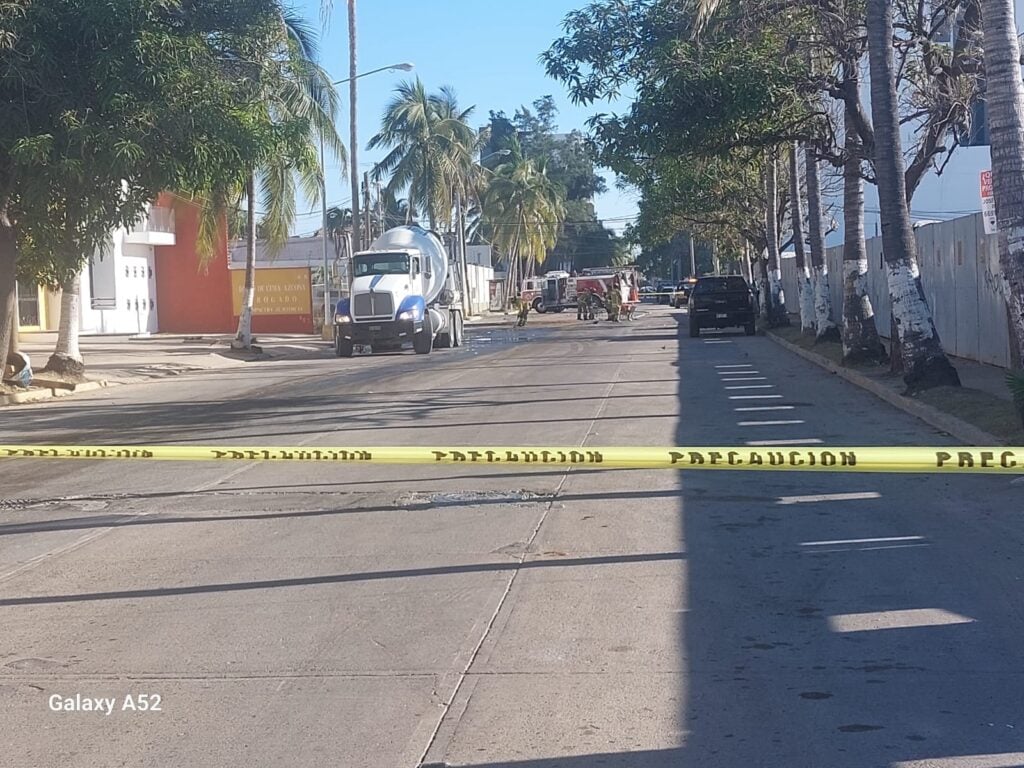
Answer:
(614, 303)
(582, 305)
(524, 312)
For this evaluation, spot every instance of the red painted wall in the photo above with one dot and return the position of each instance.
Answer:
(196, 298)
(191, 298)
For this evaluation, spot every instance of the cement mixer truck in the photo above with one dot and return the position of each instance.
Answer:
(404, 290)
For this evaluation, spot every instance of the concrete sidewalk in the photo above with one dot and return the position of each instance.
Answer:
(131, 359)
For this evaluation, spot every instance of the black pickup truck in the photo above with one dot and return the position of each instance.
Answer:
(721, 302)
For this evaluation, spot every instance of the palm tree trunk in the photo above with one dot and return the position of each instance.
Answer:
(243, 338)
(860, 335)
(777, 305)
(926, 364)
(824, 327)
(1005, 98)
(66, 359)
(803, 274)
(8, 291)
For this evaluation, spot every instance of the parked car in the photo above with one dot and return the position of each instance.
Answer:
(666, 288)
(681, 297)
(722, 302)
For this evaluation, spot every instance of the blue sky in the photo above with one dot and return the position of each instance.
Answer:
(487, 51)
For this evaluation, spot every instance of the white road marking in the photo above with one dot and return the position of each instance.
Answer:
(738, 365)
(907, 619)
(815, 498)
(718, 342)
(866, 549)
(754, 386)
(755, 397)
(765, 408)
(776, 423)
(746, 378)
(994, 760)
(878, 540)
(803, 441)
(735, 373)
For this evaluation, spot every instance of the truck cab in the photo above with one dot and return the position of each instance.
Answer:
(402, 291)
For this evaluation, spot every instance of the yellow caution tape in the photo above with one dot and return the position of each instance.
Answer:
(781, 458)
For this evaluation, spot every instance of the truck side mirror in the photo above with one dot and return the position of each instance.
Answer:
(415, 267)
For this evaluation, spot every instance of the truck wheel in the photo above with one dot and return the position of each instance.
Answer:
(750, 328)
(343, 347)
(694, 329)
(423, 341)
(538, 305)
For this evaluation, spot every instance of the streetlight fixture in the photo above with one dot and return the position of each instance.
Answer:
(405, 66)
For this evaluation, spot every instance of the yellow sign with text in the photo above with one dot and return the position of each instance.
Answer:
(283, 291)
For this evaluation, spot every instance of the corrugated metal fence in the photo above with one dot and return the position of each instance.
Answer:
(959, 270)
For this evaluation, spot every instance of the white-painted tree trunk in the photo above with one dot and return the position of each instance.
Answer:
(243, 337)
(824, 327)
(925, 362)
(67, 355)
(859, 333)
(8, 291)
(1005, 99)
(777, 303)
(805, 296)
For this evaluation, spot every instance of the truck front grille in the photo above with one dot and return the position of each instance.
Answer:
(373, 305)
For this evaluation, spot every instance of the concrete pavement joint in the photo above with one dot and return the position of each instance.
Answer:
(520, 560)
(958, 428)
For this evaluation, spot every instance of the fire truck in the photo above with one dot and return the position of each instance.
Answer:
(555, 291)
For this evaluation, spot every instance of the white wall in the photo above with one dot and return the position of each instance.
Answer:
(479, 287)
(122, 281)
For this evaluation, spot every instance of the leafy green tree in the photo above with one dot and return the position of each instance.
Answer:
(106, 105)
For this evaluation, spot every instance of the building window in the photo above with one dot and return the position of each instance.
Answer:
(28, 304)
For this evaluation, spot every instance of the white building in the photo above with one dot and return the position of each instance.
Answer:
(119, 282)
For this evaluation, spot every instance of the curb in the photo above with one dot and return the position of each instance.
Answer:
(958, 428)
(51, 393)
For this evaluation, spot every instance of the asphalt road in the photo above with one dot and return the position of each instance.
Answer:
(295, 615)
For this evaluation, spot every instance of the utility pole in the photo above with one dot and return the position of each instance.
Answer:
(693, 257)
(367, 208)
(461, 245)
(328, 315)
(380, 208)
(353, 148)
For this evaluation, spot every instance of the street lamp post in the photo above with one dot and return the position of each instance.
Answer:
(404, 67)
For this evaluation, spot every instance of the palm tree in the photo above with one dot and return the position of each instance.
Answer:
(926, 364)
(431, 144)
(1005, 99)
(522, 211)
(302, 104)
(297, 104)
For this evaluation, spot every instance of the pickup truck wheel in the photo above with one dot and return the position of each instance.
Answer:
(694, 329)
(343, 347)
(424, 340)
